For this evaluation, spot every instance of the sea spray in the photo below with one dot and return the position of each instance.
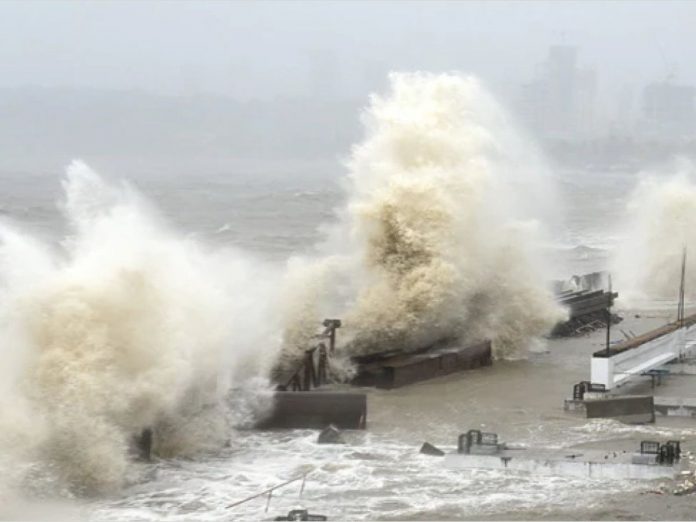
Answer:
(124, 325)
(659, 222)
(438, 237)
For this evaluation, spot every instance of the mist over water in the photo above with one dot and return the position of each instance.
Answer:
(125, 325)
(439, 239)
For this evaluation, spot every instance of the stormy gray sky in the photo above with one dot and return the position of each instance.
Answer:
(253, 50)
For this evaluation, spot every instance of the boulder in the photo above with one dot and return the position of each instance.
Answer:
(429, 449)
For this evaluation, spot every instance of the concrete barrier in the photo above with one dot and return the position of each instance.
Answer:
(594, 464)
(317, 409)
(632, 409)
(676, 406)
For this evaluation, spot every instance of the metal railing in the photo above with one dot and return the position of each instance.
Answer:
(583, 387)
(475, 438)
(312, 370)
(270, 491)
(667, 453)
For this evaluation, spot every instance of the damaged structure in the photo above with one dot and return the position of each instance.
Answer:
(301, 399)
(588, 299)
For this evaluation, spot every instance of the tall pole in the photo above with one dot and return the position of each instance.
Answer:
(682, 289)
(609, 315)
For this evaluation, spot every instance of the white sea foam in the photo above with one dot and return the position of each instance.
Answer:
(126, 325)
(439, 237)
(659, 222)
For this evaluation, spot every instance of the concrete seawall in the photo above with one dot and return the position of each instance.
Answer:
(317, 409)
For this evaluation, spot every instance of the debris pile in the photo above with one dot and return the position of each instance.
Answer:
(588, 304)
(687, 484)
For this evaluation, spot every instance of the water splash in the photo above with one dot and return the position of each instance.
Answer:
(659, 222)
(126, 325)
(438, 237)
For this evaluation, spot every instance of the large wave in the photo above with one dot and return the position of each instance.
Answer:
(438, 237)
(659, 223)
(124, 325)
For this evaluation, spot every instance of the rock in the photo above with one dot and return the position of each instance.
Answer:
(429, 449)
(330, 435)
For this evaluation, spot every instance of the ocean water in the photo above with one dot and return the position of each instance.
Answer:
(273, 212)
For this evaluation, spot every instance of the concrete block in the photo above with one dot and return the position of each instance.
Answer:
(647, 459)
(316, 409)
(632, 409)
(574, 406)
(484, 449)
(676, 406)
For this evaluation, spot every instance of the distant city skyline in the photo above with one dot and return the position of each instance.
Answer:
(562, 102)
(213, 82)
(263, 50)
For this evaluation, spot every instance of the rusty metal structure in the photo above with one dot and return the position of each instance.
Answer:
(312, 371)
(391, 370)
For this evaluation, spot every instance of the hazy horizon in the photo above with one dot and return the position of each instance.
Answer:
(271, 80)
(252, 50)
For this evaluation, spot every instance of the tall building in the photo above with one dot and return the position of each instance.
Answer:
(560, 101)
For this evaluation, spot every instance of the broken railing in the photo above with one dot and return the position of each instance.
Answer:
(270, 491)
(312, 370)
